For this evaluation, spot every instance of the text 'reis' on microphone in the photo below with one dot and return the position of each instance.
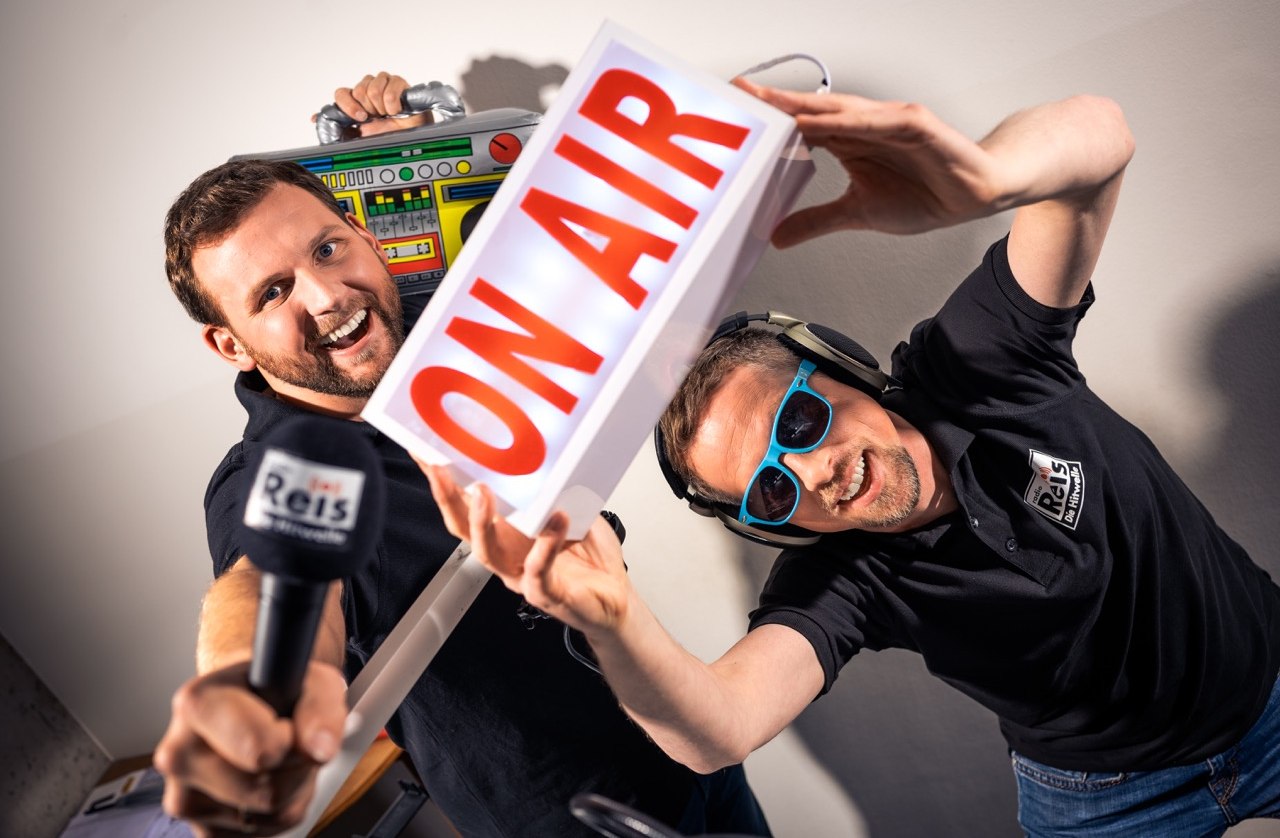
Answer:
(314, 514)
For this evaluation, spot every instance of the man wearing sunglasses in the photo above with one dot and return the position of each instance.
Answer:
(991, 513)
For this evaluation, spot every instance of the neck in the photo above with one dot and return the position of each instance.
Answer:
(339, 407)
(937, 495)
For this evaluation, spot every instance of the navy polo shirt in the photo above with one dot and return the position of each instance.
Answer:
(1081, 592)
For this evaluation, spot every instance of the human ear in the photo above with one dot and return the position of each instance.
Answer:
(227, 347)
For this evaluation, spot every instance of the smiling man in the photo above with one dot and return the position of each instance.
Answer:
(506, 724)
(983, 508)
(858, 461)
(300, 293)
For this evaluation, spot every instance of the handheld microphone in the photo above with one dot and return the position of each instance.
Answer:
(313, 515)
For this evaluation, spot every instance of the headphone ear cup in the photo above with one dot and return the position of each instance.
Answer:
(838, 356)
(679, 488)
(844, 345)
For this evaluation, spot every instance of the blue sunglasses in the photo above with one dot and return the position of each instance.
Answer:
(801, 423)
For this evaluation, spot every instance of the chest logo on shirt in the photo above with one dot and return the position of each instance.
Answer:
(1056, 489)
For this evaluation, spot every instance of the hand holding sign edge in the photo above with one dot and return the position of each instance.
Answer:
(582, 583)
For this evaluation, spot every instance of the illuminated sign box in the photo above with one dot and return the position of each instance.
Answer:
(557, 338)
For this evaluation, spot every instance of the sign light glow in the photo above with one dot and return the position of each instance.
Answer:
(560, 333)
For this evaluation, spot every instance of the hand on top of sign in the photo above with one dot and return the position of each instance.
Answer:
(374, 103)
(232, 766)
(908, 170)
(583, 584)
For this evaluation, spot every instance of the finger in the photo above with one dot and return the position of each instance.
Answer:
(291, 788)
(484, 537)
(602, 536)
(391, 94)
(215, 818)
(540, 588)
(374, 93)
(346, 101)
(811, 222)
(400, 123)
(359, 92)
(797, 103)
(236, 724)
(448, 497)
(898, 122)
(187, 763)
(321, 712)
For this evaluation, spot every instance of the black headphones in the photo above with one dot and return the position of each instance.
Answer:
(835, 355)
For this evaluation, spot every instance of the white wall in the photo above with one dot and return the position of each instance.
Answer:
(114, 415)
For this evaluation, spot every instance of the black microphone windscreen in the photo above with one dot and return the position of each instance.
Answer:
(316, 506)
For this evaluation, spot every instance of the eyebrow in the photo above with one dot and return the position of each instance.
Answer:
(256, 291)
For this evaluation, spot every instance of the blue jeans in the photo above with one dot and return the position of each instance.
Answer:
(1190, 800)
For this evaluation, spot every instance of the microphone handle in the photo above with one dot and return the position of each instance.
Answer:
(289, 613)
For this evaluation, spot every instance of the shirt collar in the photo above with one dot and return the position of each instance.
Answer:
(266, 410)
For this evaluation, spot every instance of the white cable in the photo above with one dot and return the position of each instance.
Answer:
(823, 87)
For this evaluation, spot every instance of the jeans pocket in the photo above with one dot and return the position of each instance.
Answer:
(1059, 778)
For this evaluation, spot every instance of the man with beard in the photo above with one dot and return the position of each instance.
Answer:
(983, 508)
(505, 725)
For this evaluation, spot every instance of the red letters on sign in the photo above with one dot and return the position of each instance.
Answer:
(593, 162)
(655, 133)
(613, 263)
(527, 450)
(543, 341)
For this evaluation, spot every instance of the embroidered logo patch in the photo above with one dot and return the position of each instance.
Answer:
(1056, 489)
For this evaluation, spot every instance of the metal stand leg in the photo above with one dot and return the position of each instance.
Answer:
(392, 671)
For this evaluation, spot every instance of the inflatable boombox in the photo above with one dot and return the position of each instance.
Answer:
(420, 190)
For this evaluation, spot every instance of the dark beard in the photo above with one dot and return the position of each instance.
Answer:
(314, 370)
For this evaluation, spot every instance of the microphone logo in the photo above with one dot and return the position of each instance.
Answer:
(302, 499)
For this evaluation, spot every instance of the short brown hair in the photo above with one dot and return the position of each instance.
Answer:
(212, 207)
(681, 420)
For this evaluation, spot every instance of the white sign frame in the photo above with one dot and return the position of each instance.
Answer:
(637, 379)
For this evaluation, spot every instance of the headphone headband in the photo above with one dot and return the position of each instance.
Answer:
(835, 355)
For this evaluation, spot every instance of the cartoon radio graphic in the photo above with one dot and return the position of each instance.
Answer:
(420, 191)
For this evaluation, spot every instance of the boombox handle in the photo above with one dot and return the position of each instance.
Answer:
(441, 100)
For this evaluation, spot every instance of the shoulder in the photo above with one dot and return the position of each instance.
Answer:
(991, 347)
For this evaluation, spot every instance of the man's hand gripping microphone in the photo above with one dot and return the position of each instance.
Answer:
(313, 515)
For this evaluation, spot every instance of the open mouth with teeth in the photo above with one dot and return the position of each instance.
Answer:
(857, 479)
(348, 334)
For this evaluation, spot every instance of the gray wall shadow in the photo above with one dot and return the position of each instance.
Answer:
(1235, 476)
(503, 82)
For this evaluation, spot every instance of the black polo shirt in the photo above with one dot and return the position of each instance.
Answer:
(505, 726)
(1082, 592)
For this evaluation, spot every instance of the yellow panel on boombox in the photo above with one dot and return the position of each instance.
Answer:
(420, 191)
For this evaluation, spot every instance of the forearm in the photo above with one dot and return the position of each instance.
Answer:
(705, 716)
(229, 614)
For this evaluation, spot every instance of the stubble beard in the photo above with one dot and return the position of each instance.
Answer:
(899, 494)
(314, 369)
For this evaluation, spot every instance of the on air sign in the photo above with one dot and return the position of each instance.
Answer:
(639, 205)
